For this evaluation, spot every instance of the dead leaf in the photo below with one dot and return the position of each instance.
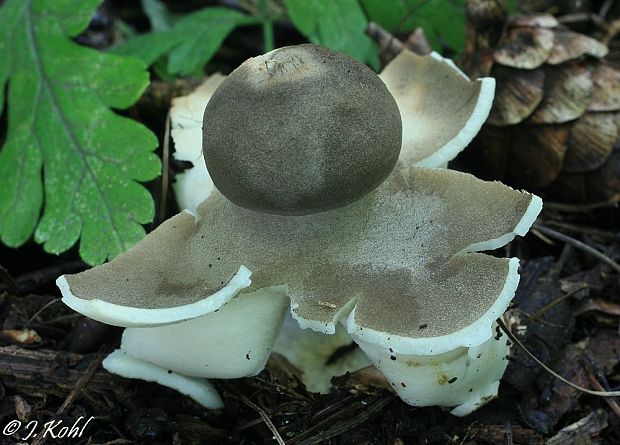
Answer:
(19, 336)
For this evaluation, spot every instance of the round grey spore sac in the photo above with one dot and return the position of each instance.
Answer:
(300, 130)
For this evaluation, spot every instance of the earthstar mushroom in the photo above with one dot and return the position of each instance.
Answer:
(398, 267)
(299, 130)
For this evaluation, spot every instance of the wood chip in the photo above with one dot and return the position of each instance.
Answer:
(581, 431)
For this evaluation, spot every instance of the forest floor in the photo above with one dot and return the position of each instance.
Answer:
(568, 299)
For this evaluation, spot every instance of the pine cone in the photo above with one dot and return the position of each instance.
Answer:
(555, 122)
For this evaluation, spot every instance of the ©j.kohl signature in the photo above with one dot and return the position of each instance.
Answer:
(53, 429)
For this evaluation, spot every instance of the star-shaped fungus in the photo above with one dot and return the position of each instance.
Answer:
(391, 254)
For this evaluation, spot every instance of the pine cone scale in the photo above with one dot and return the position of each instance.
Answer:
(569, 45)
(538, 152)
(525, 48)
(555, 124)
(590, 143)
(606, 93)
(517, 94)
(568, 92)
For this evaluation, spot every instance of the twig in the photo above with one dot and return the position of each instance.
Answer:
(606, 234)
(543, 322)
(597, 304)
(516, 341)
(268, 40)
(508, 434)
(542, 237)
(61, 318)
(579, 208)
(327, 428)
(390, 46)
(565, 255)
(31, 281)
(605, 8)
(37, 313)
(579, 245)
(81, 383)
(261, 412)
(77, 389)
(7, 279)
(612, 32)
(386, 40)
(611, 401)
(249, 424)
(165, 173)
(498, 434)
(536, 315)
(584, 17)
(587, 427)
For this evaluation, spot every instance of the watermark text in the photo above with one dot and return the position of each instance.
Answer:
(52, 429)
